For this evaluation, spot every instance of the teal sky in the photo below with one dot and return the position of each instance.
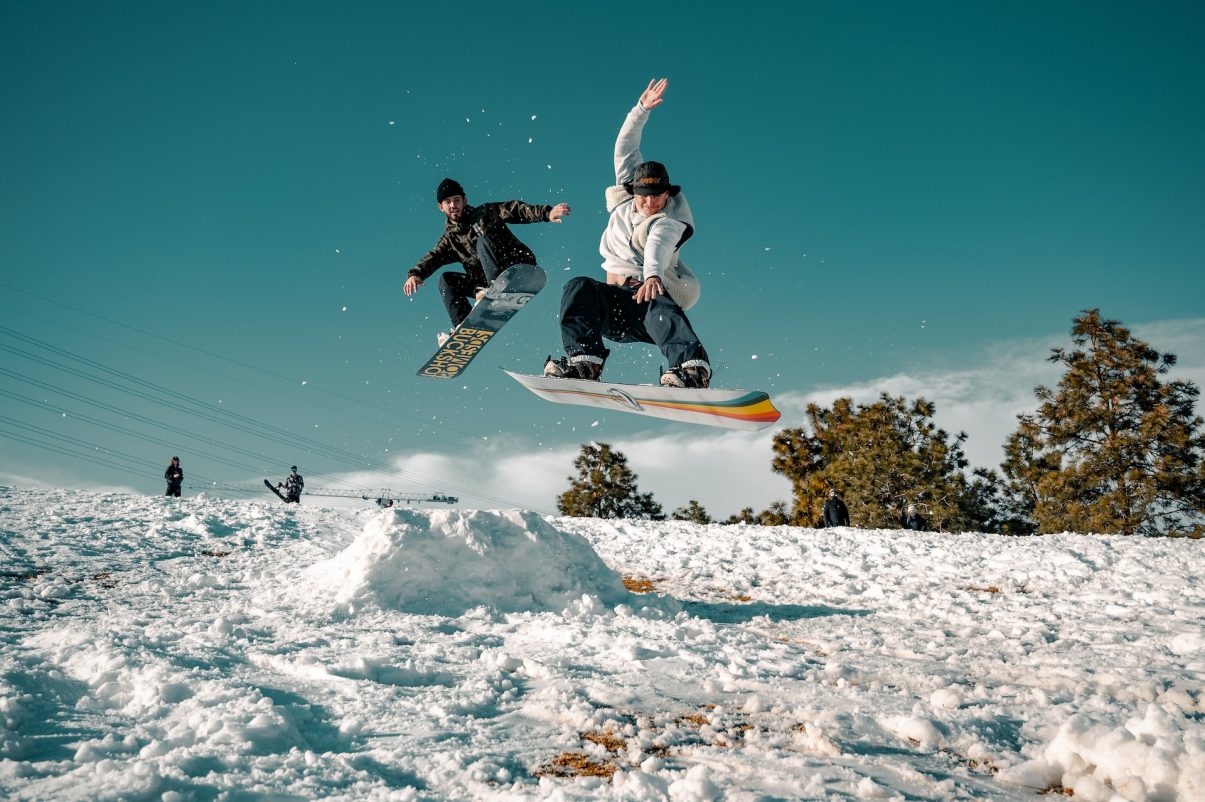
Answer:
(879, 188)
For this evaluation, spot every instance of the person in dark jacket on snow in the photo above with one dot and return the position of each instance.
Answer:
(175, 477)
(293, 486)
(835, 511)
(911, 519)
(478, 238)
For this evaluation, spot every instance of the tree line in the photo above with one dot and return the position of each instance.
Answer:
(1115, 447)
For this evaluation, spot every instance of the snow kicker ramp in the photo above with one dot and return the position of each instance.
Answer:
(446, 562)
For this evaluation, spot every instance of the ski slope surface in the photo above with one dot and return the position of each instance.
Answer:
(205, 649)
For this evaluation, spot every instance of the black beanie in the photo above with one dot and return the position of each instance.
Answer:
(447, 188)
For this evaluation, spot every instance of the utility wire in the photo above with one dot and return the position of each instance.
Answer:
(133, 415)
(369, 463)
(73, 441)
(257, 469)
(240, 422)
(237, 381)
(75, 415)
(227, 359)
(159, 337)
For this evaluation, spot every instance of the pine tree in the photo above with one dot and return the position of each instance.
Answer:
(775, 515)
(880, 457)
(605, 487)
(745, 516)
(1114, 448)
(692, 512)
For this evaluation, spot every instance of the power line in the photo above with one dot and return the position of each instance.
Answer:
(368, 462)
(128, 414)
(240, 422)
(159, 337)
(76, 415)
(129, 459)
(230, 360)
(383, 497)
(239, 381)
(182, 403)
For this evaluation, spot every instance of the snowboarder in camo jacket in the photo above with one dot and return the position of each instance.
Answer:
(478, 238)
(293, 486)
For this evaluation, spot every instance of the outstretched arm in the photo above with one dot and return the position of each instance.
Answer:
(627, 145)
(436, 258)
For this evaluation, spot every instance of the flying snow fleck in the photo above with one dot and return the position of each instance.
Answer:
(592, 425)
(533, 116)
(754, 356)
(345, 309)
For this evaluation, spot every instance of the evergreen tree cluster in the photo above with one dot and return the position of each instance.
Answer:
(1114, 448)
(880, 458)
(605, 487)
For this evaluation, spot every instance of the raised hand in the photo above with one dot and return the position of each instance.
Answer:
(651, 98)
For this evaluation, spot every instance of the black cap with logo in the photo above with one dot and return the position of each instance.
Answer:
(651, 178)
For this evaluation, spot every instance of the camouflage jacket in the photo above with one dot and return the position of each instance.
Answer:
(459, 242)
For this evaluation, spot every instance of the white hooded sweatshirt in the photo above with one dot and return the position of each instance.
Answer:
(642, 246)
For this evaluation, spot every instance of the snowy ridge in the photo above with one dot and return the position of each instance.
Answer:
(207, 649)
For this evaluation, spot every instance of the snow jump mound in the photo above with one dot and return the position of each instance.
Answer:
(446, 562)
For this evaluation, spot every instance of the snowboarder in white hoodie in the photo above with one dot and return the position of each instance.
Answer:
(647, 288)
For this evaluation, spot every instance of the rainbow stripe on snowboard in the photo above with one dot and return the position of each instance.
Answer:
(749, 410)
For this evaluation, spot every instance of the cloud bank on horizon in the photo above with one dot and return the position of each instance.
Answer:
(727, 471)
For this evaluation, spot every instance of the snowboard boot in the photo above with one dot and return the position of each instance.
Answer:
(695, 374)
(579, 367)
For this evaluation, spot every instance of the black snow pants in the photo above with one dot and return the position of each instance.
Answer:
(457, 288)
(592, 310)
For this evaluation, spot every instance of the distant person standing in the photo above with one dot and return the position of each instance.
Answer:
(912, 519)
(293, 486)
(835, 511)
(175, 477)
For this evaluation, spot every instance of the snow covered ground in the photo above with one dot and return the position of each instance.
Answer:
(205, 649)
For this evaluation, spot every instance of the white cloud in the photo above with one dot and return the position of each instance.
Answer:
(727, 470)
